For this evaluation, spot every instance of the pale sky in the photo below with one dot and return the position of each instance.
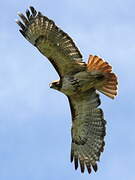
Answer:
(35, 120)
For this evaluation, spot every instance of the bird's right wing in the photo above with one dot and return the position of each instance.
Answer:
(88, 130)
(52, 42)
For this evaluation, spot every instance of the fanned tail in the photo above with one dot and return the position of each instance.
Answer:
(109, 85)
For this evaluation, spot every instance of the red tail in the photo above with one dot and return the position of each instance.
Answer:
(109, 86)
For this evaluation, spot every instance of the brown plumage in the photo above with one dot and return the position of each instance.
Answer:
(78, 81)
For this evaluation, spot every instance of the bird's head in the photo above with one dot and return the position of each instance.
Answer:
(55, 85)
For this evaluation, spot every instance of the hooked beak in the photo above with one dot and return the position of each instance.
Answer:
(50, 85)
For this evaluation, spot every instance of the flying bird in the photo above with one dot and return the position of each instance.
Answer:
(79, 81)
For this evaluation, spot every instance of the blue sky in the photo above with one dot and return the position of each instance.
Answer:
(35, 120)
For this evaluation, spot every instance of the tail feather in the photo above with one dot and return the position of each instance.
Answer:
(107, 94)
(109, 86)
(96, 63)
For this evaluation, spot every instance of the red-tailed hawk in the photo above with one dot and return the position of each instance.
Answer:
(78, 81)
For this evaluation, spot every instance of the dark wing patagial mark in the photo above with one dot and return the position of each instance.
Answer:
(52, 42)
(71, 108)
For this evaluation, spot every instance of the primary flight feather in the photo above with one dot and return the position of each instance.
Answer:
(78, 81)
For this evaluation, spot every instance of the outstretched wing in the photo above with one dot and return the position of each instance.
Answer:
(88, 130)
(52, 42)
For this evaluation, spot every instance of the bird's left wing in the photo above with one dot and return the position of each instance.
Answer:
(88, 129)
(52, 42)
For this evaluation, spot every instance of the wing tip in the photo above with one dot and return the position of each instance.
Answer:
(26, 19)
(95, 167)
(84, 163)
